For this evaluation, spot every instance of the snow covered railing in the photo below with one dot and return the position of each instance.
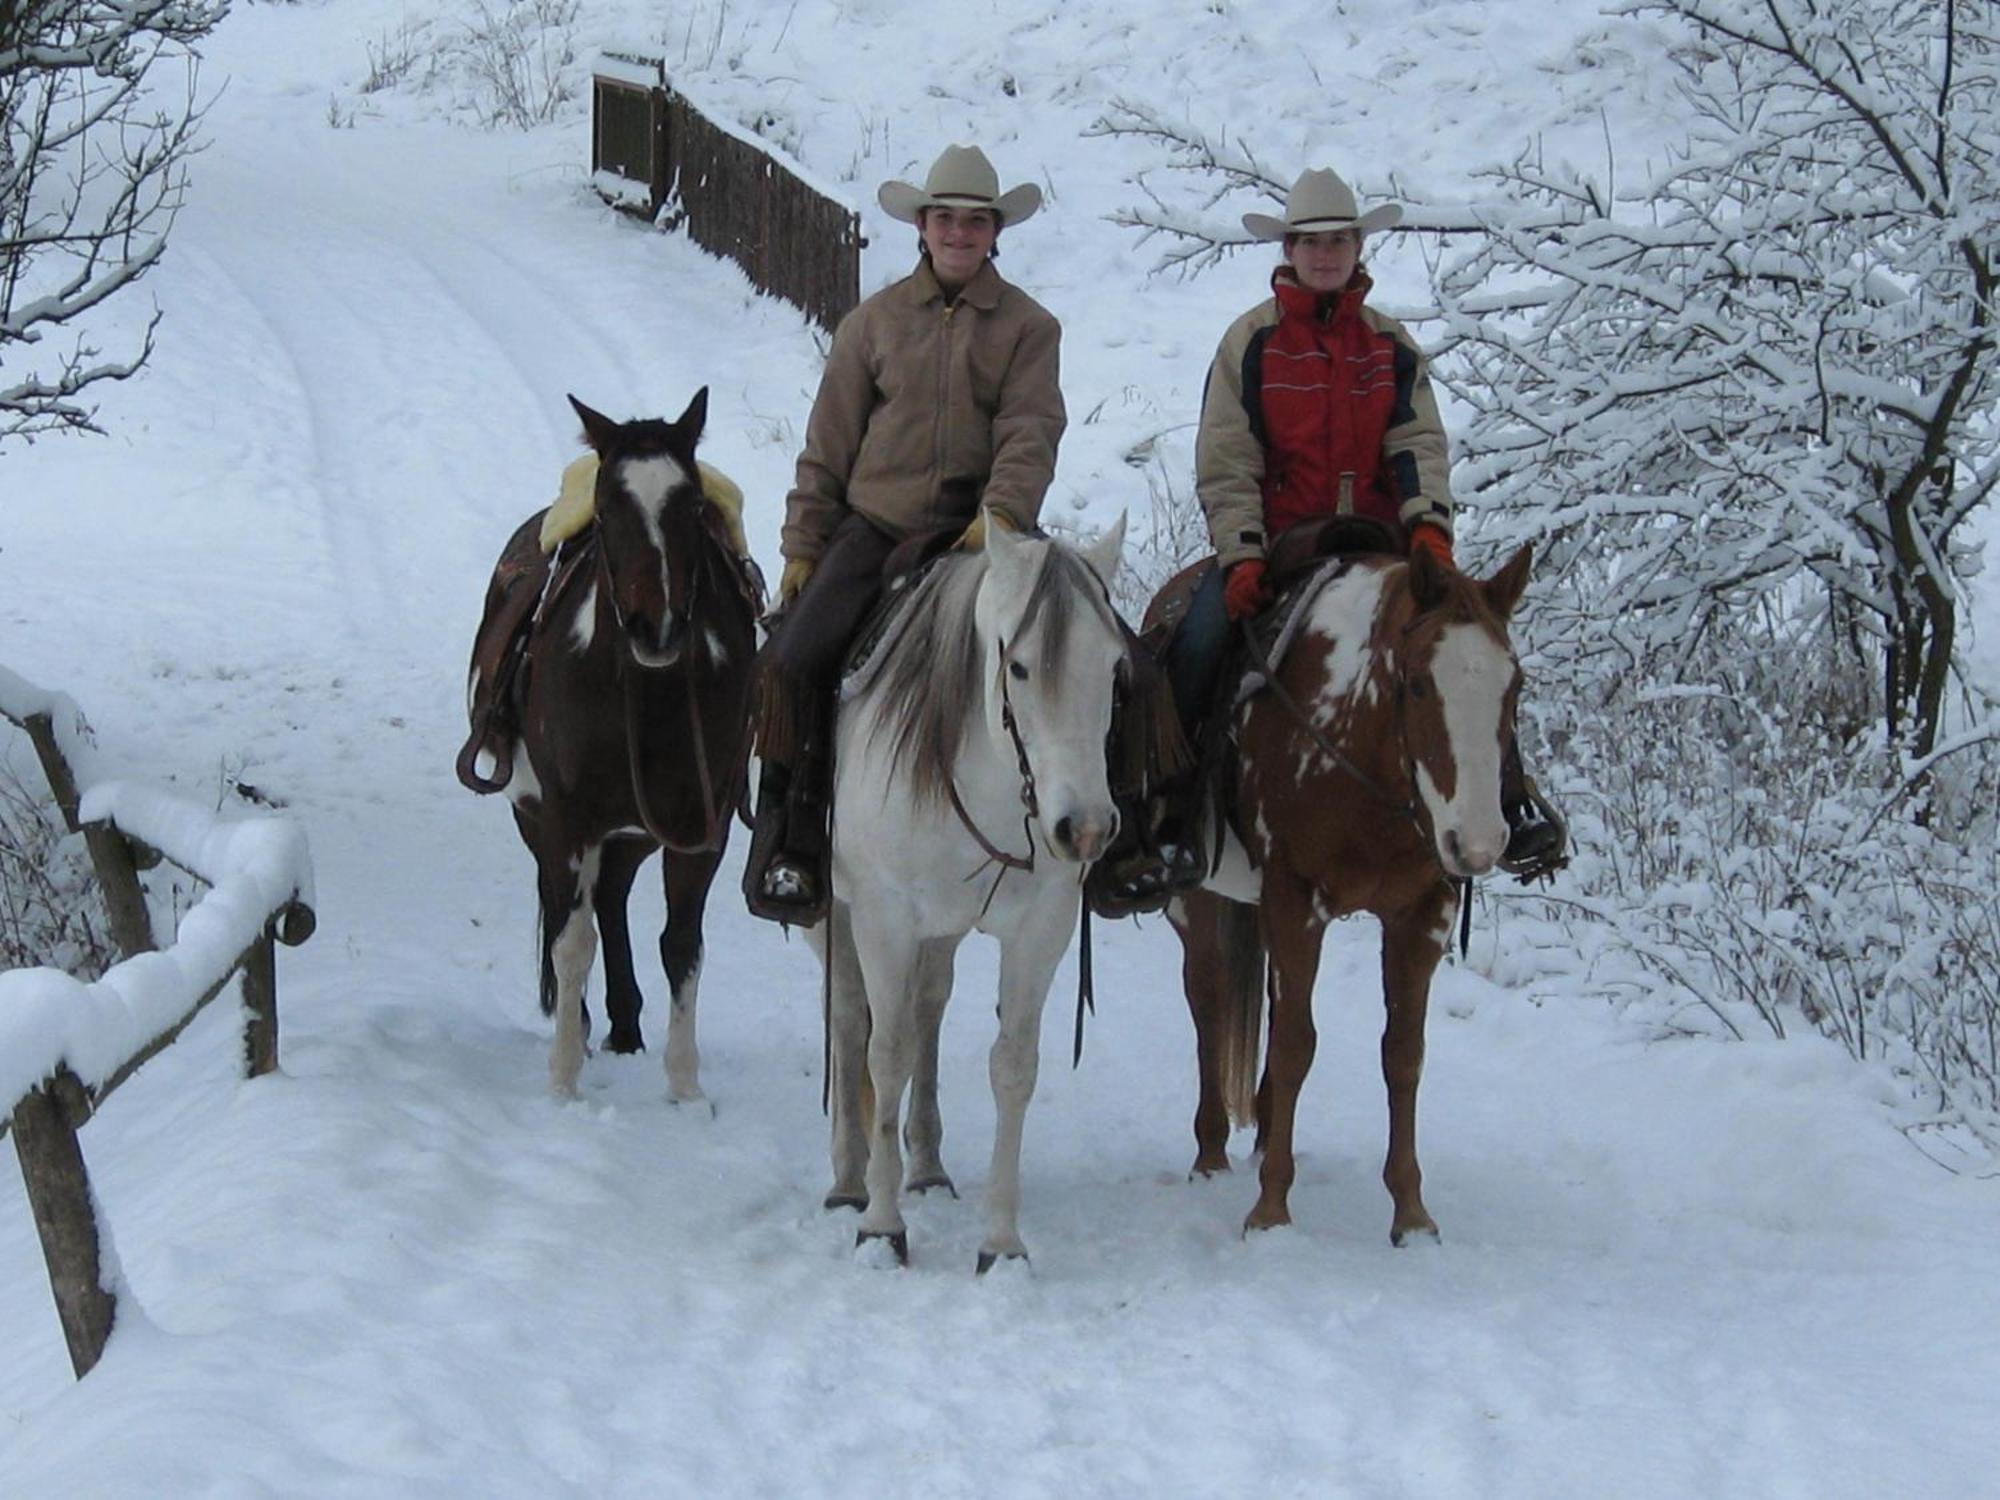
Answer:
(65, 1045)
(653, 149)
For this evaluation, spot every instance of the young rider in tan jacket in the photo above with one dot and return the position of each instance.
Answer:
(939, 405)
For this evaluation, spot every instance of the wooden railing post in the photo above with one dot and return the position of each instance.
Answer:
(110, 854)
(44, 1127)
(260, 1005)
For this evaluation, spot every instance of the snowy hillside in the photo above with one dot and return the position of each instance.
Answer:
(1670, 1267)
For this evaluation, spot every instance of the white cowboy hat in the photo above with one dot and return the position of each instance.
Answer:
(960, 178)
(1319, 201)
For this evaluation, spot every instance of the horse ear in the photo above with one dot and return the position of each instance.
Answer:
(695, 418)
(1429, 584)
(1107, 552)
(598, 429)
(1504, 588)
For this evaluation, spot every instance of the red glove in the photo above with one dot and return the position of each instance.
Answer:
(1424, 537)
(1245, 592)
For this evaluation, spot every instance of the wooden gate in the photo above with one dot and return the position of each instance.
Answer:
(654, 152)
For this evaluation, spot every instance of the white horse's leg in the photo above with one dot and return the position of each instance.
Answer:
(888, 956)
(1028, 960)
(571, 954)
(847, 1059)
(924, 1135)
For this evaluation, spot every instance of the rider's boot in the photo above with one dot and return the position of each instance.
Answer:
(785, 879)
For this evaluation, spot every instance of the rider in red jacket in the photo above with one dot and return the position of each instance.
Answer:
(1316, 405)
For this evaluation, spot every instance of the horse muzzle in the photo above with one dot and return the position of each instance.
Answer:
(1466, 856)
(1083, 837)
(652, 646)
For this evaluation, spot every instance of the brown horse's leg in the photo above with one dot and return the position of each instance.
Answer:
(622, 997)
(1292, 932)
(1195, 918)
(1411, 947)
(688, 878)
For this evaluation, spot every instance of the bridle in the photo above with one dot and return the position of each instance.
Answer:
(715, 803)
(1408, 807)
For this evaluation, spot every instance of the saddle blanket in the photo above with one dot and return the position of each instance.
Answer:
(576, 506)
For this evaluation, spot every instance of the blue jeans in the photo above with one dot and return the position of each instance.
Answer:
(1193, 657)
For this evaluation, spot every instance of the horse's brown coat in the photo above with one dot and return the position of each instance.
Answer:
(1330, 839)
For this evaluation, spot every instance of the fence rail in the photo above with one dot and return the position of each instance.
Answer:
(65, 1045)
(652, 149)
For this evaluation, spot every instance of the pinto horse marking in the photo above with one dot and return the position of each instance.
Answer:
(634, 731)
(1406, 672)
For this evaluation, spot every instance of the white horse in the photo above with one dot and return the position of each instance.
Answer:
(971, 791)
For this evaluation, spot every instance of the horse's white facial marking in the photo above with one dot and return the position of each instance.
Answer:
(583, 629)
(1471, 672)
(472, 692)
(1343, 618)
(649, 481)
(717, 650)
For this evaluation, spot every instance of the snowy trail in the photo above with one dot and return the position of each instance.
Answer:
(1669, 1267)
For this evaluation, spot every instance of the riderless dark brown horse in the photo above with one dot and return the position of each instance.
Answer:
(1367, 779)
(610, 695)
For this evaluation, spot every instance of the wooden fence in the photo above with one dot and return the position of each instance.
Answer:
(652, 150)
(72, 1044)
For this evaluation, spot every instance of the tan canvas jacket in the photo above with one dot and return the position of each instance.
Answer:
(927, 410)
(1229, 461)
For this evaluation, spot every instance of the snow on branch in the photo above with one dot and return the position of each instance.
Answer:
(93, 169)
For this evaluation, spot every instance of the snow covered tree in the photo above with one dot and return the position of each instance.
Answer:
(94, 143)
(1757, 386)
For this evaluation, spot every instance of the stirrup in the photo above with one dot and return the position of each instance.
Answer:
(788, 891)
(1143, 880)
(1537, 840)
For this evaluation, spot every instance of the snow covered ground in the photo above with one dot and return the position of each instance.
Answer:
(1670, 1267)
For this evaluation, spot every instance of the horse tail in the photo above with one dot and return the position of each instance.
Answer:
(1241, 945)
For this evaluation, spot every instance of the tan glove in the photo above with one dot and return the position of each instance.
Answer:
(974, 537)
(797, 571)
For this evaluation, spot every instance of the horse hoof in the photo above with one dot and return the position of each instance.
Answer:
(1258, 1221)
(1208, 1167)
(837, 1199)
(925, 1184)
(1415, 1234)
(625, 1041)
(988, 1259)
(898, 1243)
(696, 1102)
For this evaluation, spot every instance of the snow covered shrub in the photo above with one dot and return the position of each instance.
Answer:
(1764, 371)
(518, 60)
(1774, 873)
(48, 896)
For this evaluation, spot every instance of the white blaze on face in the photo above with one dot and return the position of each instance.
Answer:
(1471, 672)
(583, 629)
(649, 481)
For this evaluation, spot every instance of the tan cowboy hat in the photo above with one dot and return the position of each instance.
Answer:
(960, 178)
(1318, 201)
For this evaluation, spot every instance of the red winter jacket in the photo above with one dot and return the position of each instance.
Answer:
(1317, 406)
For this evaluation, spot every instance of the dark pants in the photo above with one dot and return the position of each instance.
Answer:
(802, 663)
(1194, 653)
(806, 651)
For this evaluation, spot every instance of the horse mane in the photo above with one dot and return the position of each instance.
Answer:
(924, 697)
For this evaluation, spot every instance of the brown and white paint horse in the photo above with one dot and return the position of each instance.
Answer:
(634, 728)
(1368, 781)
